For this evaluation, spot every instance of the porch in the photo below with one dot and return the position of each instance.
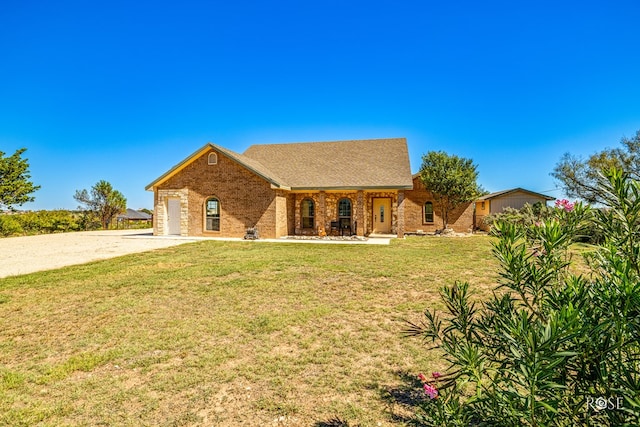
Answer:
(346, 213)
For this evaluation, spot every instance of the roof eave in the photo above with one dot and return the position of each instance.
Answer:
(514, 190)
(279, 187)
(178, 167)
(354, 187)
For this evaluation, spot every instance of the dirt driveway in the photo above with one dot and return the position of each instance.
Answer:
(22, 255)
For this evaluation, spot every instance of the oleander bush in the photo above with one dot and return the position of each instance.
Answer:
(550, 347)
(530, 214)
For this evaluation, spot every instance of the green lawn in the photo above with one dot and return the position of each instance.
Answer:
(229, 333)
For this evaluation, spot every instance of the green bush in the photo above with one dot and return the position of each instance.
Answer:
(9, 225)
(43, 222)
(530, 215)
(550, 348)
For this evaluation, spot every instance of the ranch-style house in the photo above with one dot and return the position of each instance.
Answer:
(357, 187)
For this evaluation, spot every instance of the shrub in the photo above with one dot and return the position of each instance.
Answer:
(9, 225)
(528, 215)
(549, 348)
(41, 222)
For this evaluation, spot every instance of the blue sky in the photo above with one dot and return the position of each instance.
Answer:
(122, 91)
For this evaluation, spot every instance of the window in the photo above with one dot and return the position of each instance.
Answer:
(344, 213)
(428, 212)
(213, 215)
(213, 159)
(307, 214)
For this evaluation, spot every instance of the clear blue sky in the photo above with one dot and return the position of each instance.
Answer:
(123, 90)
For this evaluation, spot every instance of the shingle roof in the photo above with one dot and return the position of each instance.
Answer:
(132, 214)
(513, 190)
(359, 164)
(370, 163)
(253, 165)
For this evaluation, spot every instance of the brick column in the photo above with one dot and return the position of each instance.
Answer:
(322, 211)
(400, 214)
(360, 213)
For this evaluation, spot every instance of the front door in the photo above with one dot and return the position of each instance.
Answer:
(381, 215)
(173, 216)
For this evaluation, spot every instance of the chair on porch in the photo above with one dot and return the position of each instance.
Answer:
(344, 225)
(335, 226)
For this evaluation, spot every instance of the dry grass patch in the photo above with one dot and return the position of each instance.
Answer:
(228, 333)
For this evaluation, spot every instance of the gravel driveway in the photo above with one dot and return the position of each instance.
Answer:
(21, 255)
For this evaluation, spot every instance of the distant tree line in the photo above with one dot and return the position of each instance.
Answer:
(44, 222)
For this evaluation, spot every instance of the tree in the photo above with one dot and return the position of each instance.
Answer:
(451, 180)
(103, 201)
(15, 186)
(579, 178)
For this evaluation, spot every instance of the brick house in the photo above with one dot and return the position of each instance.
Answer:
(343, 187)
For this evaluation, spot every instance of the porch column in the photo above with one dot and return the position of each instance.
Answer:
(400, 214)
(322, 211)
(360, 214)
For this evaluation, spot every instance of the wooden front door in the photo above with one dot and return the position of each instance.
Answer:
(381, 215)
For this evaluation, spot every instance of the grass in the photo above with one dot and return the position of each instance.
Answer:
(229, 333)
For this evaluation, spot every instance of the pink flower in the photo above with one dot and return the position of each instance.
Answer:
(431, 391)
(422, 378)
(565, 204)
(538, 252)
(436, 375)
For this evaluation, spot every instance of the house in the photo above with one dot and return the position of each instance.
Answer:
(514, 198)
(315, 188)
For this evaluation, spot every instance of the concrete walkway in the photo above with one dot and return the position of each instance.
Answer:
(22, 255)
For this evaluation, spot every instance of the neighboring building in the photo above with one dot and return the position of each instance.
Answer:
(496, 202)
(132, 216)
(353, 187)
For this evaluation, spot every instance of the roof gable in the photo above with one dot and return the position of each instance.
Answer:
(514, 190)
(250, 164)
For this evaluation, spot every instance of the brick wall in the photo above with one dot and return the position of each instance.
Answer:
(460, 220)
(246, 200)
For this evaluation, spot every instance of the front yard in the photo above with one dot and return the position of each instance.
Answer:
(229, 333)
